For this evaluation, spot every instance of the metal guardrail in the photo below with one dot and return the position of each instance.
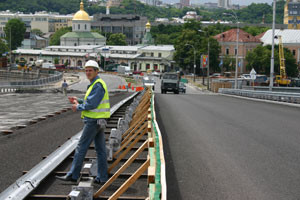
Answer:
(28, 182)
(273, 96)
(33, 84)
(18, 74)
(274, 89)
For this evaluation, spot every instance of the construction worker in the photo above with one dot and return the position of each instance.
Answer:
(95, 110)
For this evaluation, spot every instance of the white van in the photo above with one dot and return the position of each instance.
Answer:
(48, 66)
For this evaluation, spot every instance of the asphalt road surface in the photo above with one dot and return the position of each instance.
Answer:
(26, 147)
(111, 81)
(219, 147)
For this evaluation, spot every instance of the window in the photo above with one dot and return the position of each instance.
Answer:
(294, 52)
(85, 27)
(235, 51)
(75, 44)
(78, 26)
(147, 66)
(62, 61)
(227, 51)
(159, 54)
(152, 54)
(155, 66)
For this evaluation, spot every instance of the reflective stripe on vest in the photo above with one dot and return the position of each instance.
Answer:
(103, 109)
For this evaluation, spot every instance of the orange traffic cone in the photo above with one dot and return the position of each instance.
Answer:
(120, 87)
(123, 87)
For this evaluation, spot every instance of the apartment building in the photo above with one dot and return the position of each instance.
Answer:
(46, 22)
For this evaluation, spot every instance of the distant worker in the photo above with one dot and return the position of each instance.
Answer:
(64, 87)
(95, 110)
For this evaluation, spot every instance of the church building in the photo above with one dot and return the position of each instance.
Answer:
(81, 31)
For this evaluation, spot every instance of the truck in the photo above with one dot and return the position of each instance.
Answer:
(170, 83)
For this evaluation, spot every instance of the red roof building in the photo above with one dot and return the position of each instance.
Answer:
(227, 41)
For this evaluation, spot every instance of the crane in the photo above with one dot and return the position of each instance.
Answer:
(282, 79)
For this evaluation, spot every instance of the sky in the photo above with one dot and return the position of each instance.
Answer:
(240, 2)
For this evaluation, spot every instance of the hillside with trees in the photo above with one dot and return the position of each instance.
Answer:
(251, 14)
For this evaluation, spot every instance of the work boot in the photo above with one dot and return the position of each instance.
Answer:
(66, 178)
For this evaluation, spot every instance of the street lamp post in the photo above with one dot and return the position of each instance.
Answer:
(208, 47)
(237, 46)
(194, 58)
(272, 56)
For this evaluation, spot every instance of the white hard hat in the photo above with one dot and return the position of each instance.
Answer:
(92, 63)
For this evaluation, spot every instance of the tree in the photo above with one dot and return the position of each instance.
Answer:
(184, 55)
(3, 47)
(37, 31)
(117, 39)
(260, 59)
(15, 31)
(55, 38)
(56, 61)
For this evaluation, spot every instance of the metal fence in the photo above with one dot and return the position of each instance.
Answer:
(274, 89)
(32, 84)
(273, 96)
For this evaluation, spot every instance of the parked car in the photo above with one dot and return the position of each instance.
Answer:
(156, 74)
(136, 72)
(295, 82)
(215, 75)
(246, 76)
(149, 81)
(182, 87)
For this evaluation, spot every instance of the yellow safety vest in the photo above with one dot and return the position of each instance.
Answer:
(103, 109)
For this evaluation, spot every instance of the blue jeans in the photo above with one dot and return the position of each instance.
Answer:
(91, 131)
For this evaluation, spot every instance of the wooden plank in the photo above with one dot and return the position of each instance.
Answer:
(124, 153)
(152, 168)
(130, 181)
(123, 168)
(129, 140)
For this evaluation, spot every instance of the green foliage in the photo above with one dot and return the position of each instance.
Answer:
(15, 32)
(253, 30)
(228, 63)
(61, 6)
(260, 59)
(184, 55)
(56, 61)
(3, 47)
(55, 38)
(37, 31)
(254, 13)
(251, 14)
(117, 39)
(66, 63)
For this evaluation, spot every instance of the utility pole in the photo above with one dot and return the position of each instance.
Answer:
(272, 56)
(10, 61)
(208, 45)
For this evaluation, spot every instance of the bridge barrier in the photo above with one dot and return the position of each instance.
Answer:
(32, 84)
(267, 95)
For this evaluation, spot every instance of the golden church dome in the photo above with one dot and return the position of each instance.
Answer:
(81, 14)
(148, 25)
